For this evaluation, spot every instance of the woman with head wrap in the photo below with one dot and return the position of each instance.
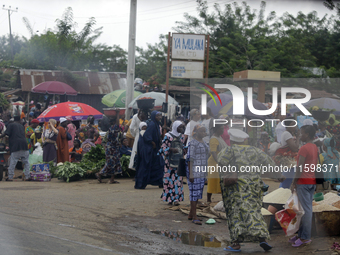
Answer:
(71, 129)
(330, 159)
(89, 130)
(49, 137)
(141, 159)
(242, 194)
(112, 166)
(172, 151)
(36, 137)
(29, 130)
(150, 163)
(197, 159)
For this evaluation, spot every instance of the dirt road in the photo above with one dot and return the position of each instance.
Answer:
(86, 217)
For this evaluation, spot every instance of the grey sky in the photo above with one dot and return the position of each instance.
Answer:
(154, 17)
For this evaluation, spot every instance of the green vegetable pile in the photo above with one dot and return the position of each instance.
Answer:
(68, 170)
(94, 160)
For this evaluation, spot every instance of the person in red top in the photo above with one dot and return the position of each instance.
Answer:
(97, 139)
(304, 183)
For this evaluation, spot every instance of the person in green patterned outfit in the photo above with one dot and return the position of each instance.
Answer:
(243, 199)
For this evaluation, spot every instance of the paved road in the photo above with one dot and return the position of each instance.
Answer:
(25, 236)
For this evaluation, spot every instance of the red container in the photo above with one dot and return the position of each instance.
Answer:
(111, 112)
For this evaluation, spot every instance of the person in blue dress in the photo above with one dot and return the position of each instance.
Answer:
(197, 161)
(150, 163)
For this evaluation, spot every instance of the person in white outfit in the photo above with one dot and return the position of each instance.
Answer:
(134, 130)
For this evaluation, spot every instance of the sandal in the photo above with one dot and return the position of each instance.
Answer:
(299, 243)
(114, 182)
(192, 218)
(229, 248)
(176, 203)
(99, 178)
(197, 222)
(293, 239)
(265, 246)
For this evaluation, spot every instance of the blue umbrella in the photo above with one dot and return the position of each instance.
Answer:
(324, 102)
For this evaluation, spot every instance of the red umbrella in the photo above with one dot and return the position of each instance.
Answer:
(74, 110)
(54, 87)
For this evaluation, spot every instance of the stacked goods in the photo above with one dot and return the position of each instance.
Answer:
(328, 203)
(41, 172)
(279, 196)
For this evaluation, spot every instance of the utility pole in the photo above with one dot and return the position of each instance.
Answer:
(10, 11)
(130, 73)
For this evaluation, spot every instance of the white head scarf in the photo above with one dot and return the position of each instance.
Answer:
(142, 124)
(175, 125)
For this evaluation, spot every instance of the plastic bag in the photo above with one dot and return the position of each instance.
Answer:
(290, 217)
(38, 150)
(219, 207)
(34, 159)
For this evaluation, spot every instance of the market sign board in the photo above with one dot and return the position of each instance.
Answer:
(187, 70)
(188, 46)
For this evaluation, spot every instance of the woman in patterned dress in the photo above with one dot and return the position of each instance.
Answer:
(243, 200)
(172, 151)
(89, 131)
(197, 159)
(112, 166)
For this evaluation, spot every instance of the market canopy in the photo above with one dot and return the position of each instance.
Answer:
(117, 98)
(54, 88)
(74, 110)
(159, 99)
(323, 102)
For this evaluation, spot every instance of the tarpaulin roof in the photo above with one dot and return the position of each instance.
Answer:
(100, 83)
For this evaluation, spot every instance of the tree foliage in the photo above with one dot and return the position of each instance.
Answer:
(241, 38)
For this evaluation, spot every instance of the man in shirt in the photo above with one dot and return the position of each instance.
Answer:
(18, 148)
(195, 117)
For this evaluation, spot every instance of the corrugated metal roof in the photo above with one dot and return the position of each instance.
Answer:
(100, 83)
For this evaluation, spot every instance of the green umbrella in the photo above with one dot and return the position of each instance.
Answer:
(117, 98)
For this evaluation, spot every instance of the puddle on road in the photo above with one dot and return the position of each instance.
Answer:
(191, 238)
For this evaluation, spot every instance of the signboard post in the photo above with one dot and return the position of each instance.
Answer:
(186, 55)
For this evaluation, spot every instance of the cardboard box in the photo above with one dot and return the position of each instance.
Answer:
(38, 168)
(41, 177)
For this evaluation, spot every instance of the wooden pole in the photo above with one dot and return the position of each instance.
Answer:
(28, 105)
(167, 76)
(261, 92)
(207, 60)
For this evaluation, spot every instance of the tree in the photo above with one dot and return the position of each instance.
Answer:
(241, 39)
(63, 47)
(5, 49)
